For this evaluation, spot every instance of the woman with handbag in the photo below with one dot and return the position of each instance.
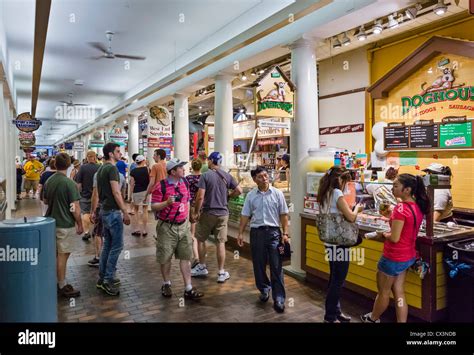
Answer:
(331, 202)
(399, 252)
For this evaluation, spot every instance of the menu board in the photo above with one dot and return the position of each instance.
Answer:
(396, 138)
(456, 135)
(424, 136)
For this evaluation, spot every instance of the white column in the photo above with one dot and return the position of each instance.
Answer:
(87, 139)
(181, 127)
(5, 164)
(11, 160)
(304, 134)
(132, 136)
(3, 134)
(223, 110)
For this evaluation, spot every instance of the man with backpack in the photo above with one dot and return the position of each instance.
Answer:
(170, 201)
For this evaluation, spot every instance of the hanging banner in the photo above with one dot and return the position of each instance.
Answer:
(25, 123)
(159, 126)
(78, 146)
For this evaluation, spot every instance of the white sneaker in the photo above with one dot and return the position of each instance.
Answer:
(199, 270)
(221, 278)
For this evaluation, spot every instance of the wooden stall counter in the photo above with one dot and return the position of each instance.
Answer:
(426, 297)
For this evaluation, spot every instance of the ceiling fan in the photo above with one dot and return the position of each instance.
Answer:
(107, 51)
(70, 103)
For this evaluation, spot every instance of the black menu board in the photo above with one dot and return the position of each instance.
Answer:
(424, 136)
(396, 137)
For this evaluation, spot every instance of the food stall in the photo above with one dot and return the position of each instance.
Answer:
(269, 135)
(423, 107)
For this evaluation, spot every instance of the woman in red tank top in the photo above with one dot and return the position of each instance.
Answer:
(399, 251)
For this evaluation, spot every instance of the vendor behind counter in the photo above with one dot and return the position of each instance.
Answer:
(443, 200)
(383, 193)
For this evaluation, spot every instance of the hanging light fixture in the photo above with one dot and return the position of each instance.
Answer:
(392, 23)
(361, 35)
(243, 77)
(346, 40)
(440, 8)
(378, 27)
(253, 73)
(336, 44)
(261, 71)
(412, 11)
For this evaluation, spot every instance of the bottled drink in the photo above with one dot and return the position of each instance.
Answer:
(337, 159)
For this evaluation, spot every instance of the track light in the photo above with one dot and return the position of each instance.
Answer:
(378, 27)
(336, 43)
(346, 40)
(412, 11)
(440, 8)
(253, 73)
(392, 23)
(243, 77)
(261, 71)
(362, 36)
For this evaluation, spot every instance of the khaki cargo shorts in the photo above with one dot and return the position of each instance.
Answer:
(31, 184)
(173, 239)
(64, 240)
(209, 224)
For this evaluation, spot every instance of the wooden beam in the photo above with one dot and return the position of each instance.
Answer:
(43, 8)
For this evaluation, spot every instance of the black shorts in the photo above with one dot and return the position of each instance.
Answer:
(98, 226)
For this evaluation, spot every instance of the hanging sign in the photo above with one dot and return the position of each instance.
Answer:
(78, 146)
(25, 123)
(274, 94)
(159, 126)
(27, 139)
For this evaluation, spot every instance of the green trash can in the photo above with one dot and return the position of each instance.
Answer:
(28, 287)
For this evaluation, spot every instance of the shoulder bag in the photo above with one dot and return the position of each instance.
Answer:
(334, 229)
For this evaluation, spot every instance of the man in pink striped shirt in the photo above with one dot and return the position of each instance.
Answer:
(170, 201)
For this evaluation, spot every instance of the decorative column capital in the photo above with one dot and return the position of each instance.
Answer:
(224, 76)
(181, 95)
(305, 41)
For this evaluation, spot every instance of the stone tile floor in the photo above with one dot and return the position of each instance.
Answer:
(140, 299)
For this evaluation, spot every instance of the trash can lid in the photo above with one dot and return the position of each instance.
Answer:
(24, 220)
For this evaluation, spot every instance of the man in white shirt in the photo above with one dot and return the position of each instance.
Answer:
(266, 208)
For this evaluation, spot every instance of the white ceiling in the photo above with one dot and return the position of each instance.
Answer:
(151, 28)
(161, 30)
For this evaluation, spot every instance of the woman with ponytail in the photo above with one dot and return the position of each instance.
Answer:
(399, 251)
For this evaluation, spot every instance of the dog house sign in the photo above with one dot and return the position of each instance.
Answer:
(274, 94)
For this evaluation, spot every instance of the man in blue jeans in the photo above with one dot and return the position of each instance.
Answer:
(114, 215)
(266, 208)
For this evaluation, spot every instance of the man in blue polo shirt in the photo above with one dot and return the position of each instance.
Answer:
(266, 208)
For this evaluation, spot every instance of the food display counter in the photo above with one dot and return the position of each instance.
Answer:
(236, 204)
(426, 297)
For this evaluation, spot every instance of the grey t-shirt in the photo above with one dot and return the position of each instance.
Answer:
(215, 198)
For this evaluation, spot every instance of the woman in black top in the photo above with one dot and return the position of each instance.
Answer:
(139, 180)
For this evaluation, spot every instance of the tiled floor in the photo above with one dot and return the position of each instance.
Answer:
(140, 299)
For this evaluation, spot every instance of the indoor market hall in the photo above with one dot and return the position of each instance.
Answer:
(238, 161)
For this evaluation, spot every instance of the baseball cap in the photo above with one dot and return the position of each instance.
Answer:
(139, 158)
(174, 163)
(216, 158)
(435, 167)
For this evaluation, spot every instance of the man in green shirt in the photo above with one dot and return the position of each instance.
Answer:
(114, 214)
(62, 197)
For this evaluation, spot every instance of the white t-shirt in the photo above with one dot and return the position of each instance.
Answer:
(443, 202)
(336, 194)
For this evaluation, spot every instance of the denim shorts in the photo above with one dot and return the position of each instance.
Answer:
(393, 268)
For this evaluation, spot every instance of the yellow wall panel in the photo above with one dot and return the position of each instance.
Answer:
(440, 303)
